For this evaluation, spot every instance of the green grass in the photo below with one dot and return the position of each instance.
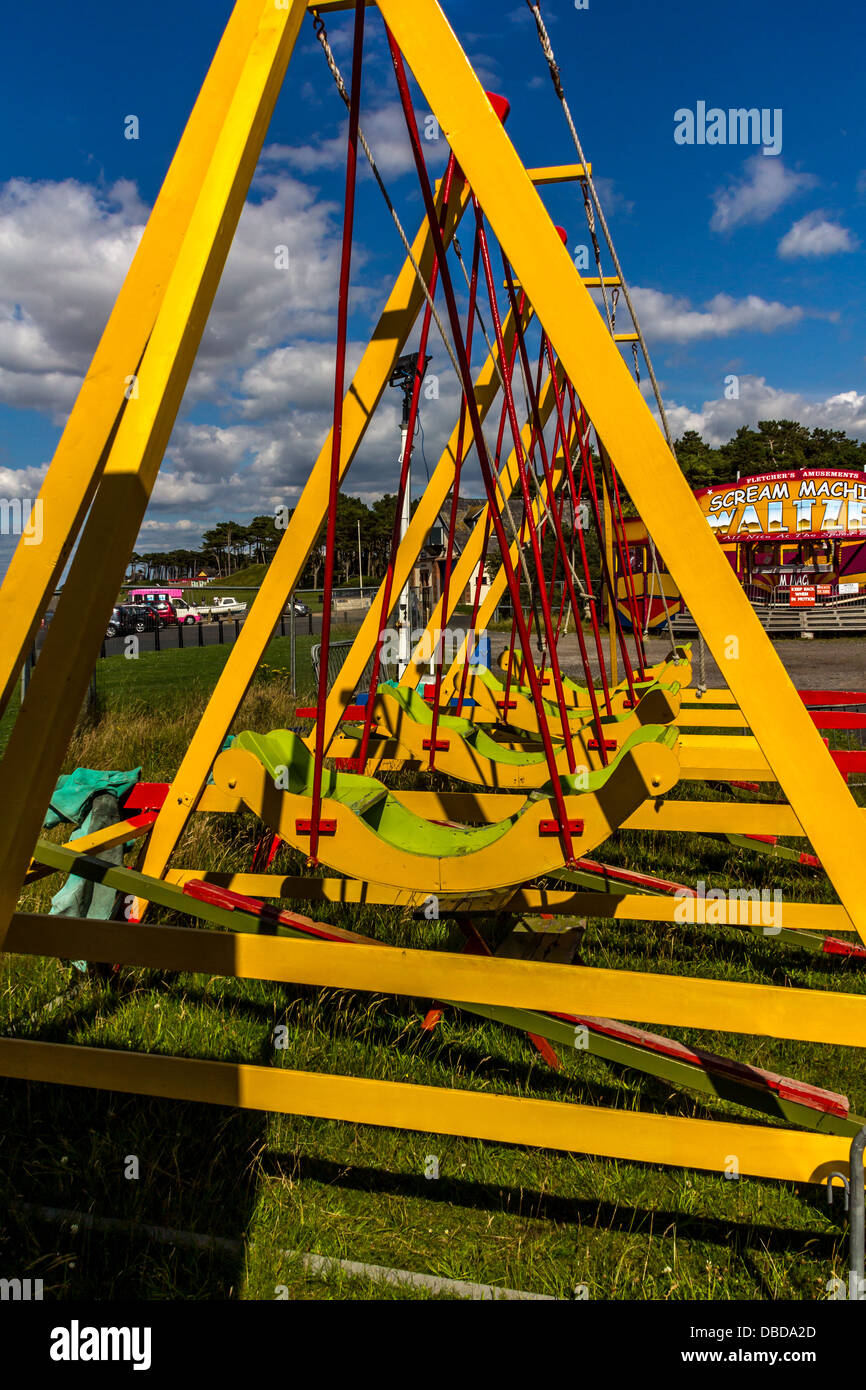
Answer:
(166, 681)
(522, 1218)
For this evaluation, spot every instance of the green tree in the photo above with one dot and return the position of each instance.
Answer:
(264, 537)
(699, 462)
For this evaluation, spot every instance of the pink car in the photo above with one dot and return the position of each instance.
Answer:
(183, 611)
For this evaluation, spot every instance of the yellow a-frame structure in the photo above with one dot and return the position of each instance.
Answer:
(96, 493)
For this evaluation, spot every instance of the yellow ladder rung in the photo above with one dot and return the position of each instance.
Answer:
(592, 282)
(559, 173)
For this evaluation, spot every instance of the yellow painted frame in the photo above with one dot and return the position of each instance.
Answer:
(126, 445)
(762, 1151)
(750, 667)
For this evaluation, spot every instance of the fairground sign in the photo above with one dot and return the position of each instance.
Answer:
(808, 504)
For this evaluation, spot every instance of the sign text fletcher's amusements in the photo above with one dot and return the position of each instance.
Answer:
(774, 505)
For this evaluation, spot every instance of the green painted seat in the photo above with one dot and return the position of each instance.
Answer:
(583, 713)
(420, 712)
(290, 763)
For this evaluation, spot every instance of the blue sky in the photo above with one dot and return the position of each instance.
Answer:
(741, 263)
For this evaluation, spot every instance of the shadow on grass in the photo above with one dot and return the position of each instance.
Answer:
(69, 1149)
(741, 1236)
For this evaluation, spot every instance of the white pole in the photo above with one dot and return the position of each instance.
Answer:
(404, 628)
(360, 574)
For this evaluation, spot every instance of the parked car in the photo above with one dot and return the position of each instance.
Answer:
(301, 609)
(165, 611)
(183, 612)
(225, 607)
(134, 617)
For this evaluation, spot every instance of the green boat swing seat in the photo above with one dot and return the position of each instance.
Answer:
(677, 666)
(367, 833)
(657, 703)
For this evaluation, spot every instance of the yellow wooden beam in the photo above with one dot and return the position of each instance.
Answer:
(592, 282)
(744, 654)
(559, 173)
(69, 484)
(40, 737)
(821, 1016)
(107, 838)
(762, 1150)
(331, 6)
(827, 918)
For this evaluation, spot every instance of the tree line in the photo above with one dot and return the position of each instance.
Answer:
(775, 446)
(233, 545)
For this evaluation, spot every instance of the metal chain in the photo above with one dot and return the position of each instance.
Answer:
(702, 658)
(589, 191)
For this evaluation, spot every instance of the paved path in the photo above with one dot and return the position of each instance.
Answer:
(831, 663)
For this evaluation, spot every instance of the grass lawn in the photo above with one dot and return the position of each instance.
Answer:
(258, 1186)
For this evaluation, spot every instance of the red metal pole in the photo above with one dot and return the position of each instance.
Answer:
(337, 433)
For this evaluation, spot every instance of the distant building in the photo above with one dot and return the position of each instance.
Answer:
(791, 538)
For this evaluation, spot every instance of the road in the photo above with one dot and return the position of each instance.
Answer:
(208, 634)
(831, 664)
(205, 634)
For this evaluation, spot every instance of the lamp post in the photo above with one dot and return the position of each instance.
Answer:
(403, 377)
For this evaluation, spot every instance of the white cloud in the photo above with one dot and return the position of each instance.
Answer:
(672, 318)
(151, 527)
(21, 482)
(300, 375)
(718, 420)
(612, 201)
(816, 235)
(765, 186)
(65, 248)
(385, 130)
